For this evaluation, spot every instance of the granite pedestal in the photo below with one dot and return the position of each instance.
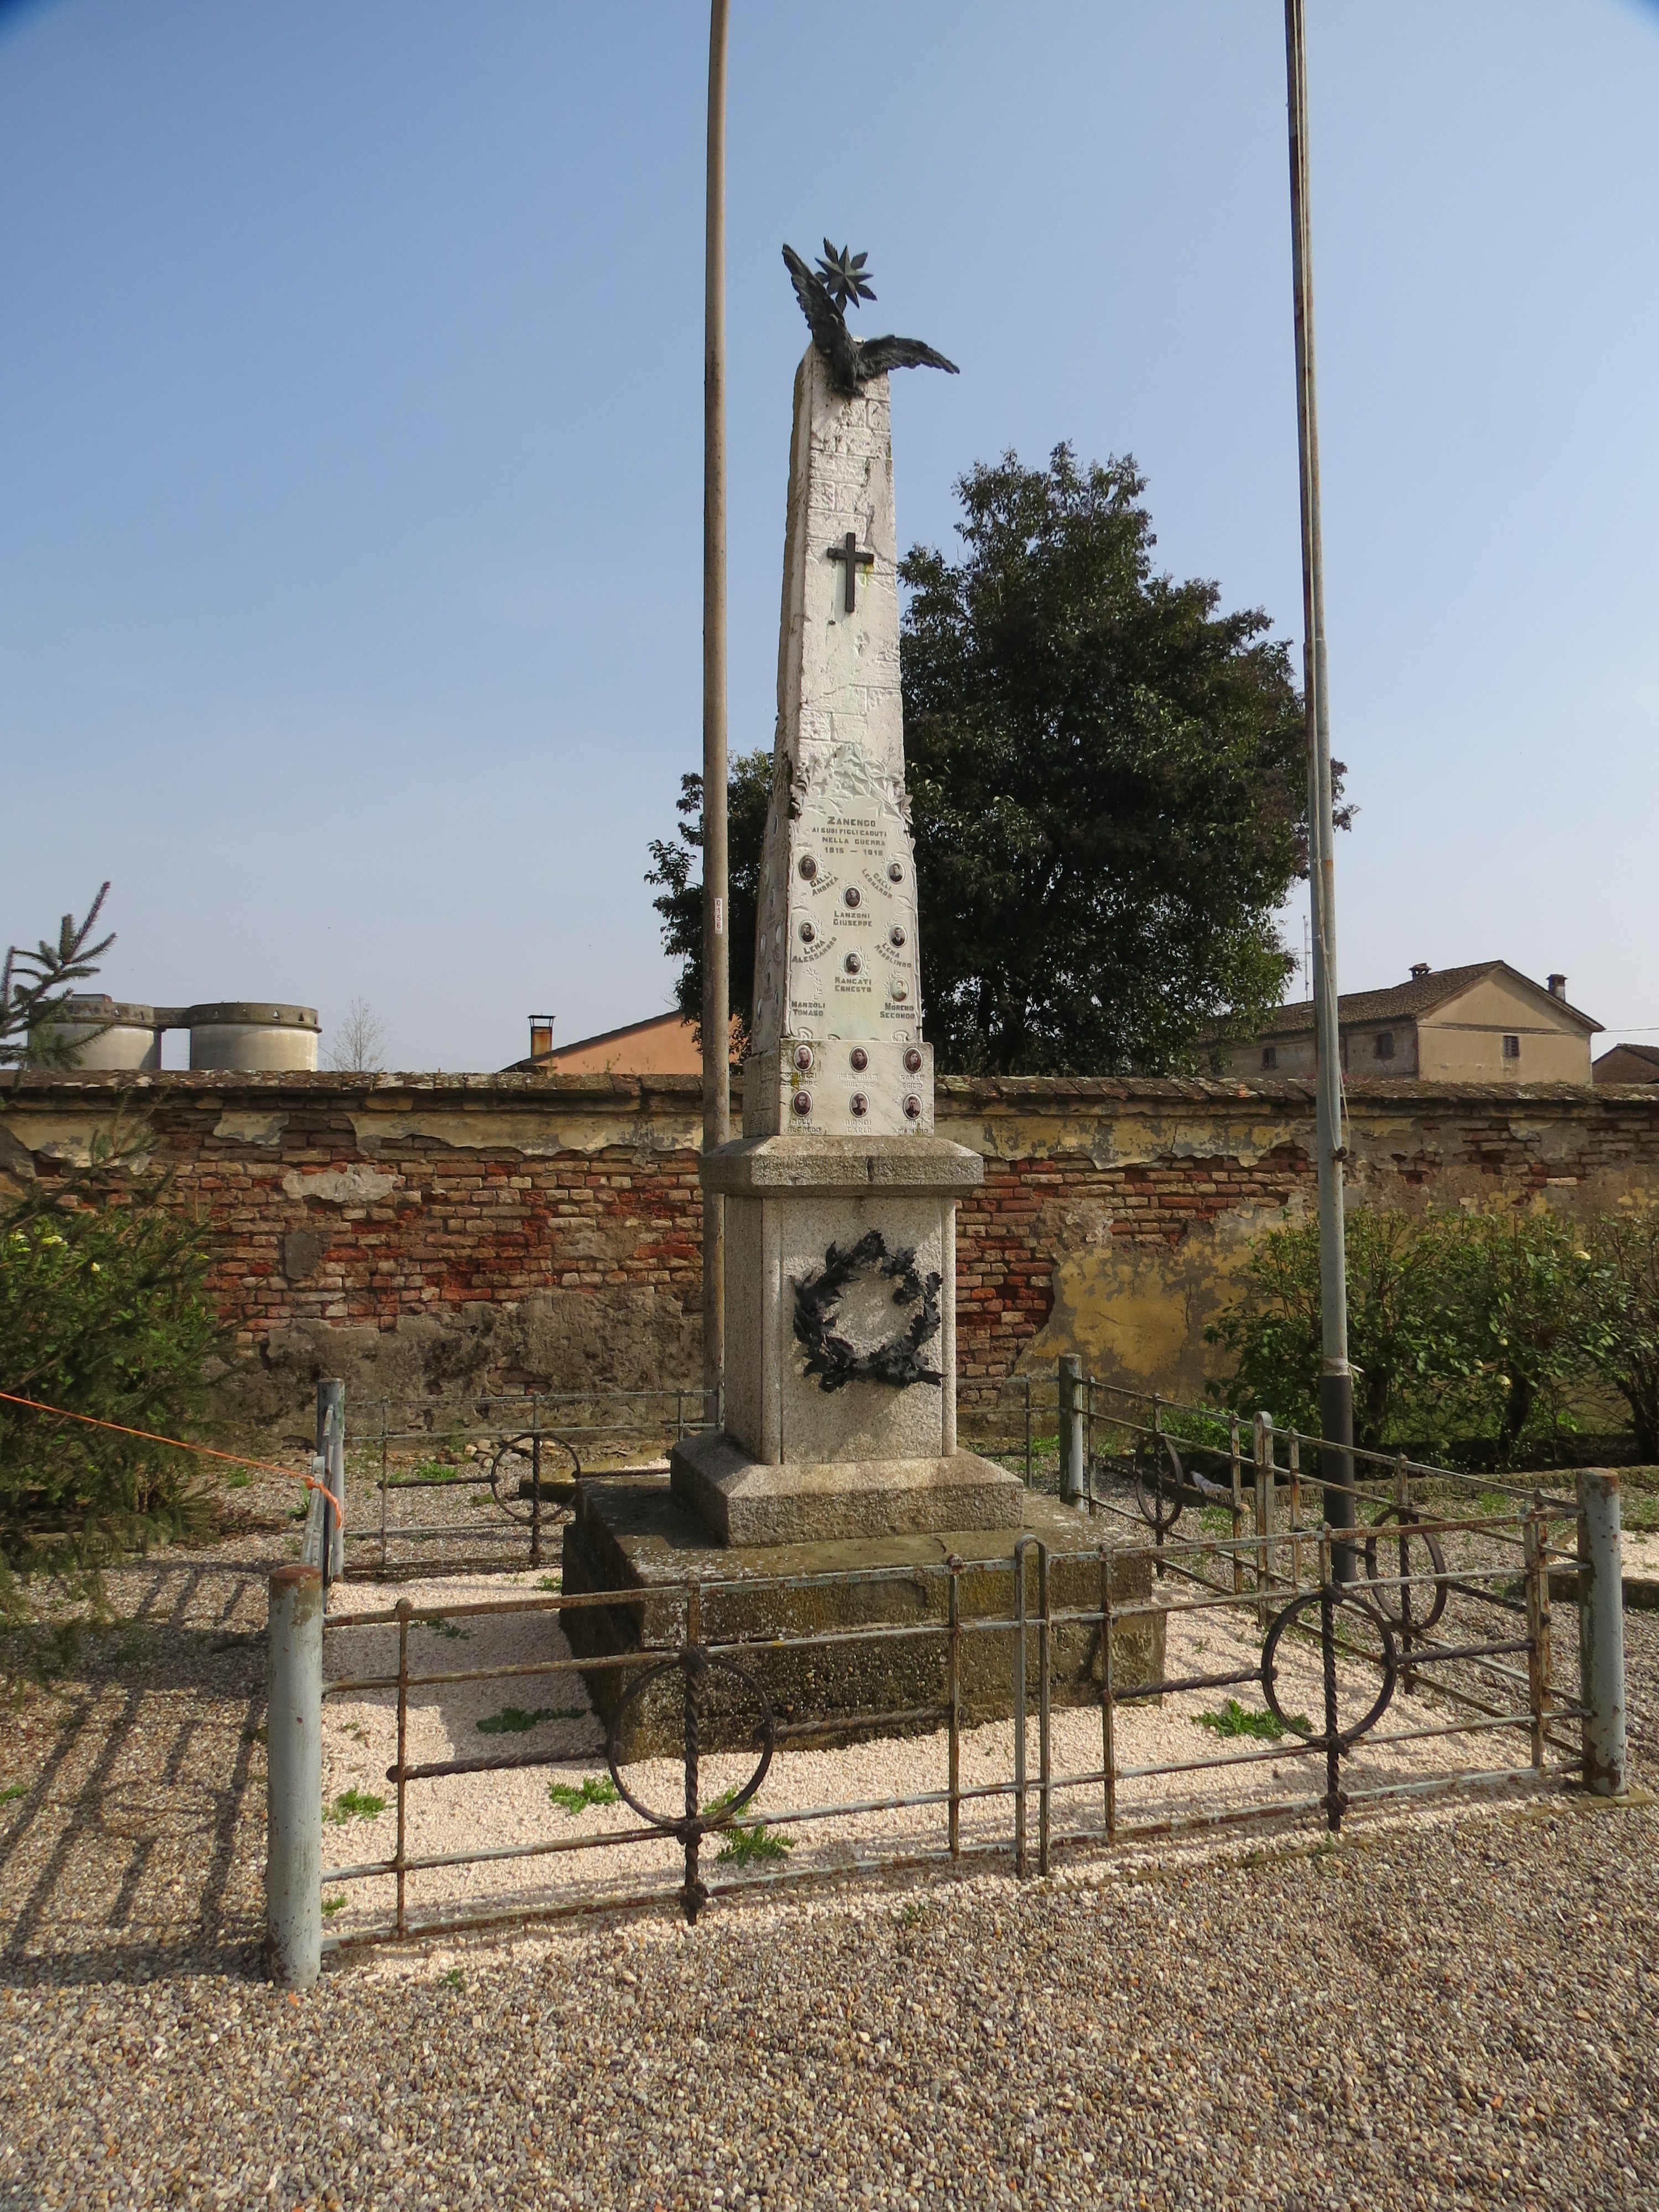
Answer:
(631, 1535)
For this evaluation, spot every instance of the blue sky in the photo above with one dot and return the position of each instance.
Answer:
(350, 403)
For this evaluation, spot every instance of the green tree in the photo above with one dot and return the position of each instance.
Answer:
(1107, 787)
(1108, 783)
(679, 902)
(35, 988)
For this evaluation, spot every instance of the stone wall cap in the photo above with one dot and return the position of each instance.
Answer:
(842, 1166)
(958, 1096)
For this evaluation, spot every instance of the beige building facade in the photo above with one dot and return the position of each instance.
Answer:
(1483, 1024)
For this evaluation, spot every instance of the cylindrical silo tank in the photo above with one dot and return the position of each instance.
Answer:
(253, 1033)
(105, 1032)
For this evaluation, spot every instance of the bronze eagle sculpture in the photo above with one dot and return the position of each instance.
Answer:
(853, 361)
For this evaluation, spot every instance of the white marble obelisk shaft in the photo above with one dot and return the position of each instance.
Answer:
(836, 1035)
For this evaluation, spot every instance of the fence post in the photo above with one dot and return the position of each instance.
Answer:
(953, 1699)
(1601, 1632)
(1045, 1752)
(1107, 1731)
(331, 1450)
(1263, 1441)
(294, 1788)
(1296, 1514)
(1022, 1545)
(1535, 1539)
(1071, 1429)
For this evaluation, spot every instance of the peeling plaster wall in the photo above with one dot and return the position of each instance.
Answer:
(432, 1237)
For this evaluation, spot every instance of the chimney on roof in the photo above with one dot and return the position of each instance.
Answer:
(1419, 969)
(541, 1035)
(1557, 987)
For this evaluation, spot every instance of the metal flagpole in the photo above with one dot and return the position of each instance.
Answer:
(716, 982)
(1336, 1376)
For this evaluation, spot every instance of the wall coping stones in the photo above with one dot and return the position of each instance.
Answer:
(1025, 1094)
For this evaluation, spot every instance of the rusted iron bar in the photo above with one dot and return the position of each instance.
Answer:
(404, 1610)
(1108, 1730)
(1022, 1546)
(1045, 1759)
(1538, 1629)
(953, 1694)
(550, 1847)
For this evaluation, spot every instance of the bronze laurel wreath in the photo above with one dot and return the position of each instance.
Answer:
(896, 1360)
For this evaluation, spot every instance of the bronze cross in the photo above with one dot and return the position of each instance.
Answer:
(856, 557)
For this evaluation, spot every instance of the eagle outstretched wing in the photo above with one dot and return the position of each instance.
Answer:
(824, 318)
(876, 355)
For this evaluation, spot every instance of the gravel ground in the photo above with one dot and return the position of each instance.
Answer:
(1414, 2017)
(1403, 2020)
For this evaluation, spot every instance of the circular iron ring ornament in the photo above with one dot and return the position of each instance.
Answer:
(693, 1665)
(1339, 1601)
(1390, 1600)
(512, 1471)
(1159, 1477)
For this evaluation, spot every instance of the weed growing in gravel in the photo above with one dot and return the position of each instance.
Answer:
(1216, 1520)
(333, 1904)
(451, 1980)
(1235, 1719)
(13, 1791)
(513, 1720)
(239, 1481)
(353, 1804)
(449, 1628)
(595, 1790)
(550, 1582)
(753, 1843)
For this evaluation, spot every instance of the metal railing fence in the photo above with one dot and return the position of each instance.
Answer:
(1463, 1625)
(531, 1447)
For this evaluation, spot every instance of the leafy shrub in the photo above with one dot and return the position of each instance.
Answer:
(1623, 1343)
(1460, 1327)
(102, 1312)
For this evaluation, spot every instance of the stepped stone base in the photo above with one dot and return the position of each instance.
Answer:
(631, 1534)
(742, 1502)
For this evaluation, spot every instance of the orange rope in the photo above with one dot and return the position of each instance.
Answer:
(204, 1452)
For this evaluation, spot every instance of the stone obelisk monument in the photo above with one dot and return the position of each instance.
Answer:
(839, 1405)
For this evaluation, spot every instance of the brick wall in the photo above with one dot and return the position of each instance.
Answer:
(429, 1236)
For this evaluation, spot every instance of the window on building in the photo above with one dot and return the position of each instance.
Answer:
(1385, 1044)
(1511, 1048)
(1269, 1056)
